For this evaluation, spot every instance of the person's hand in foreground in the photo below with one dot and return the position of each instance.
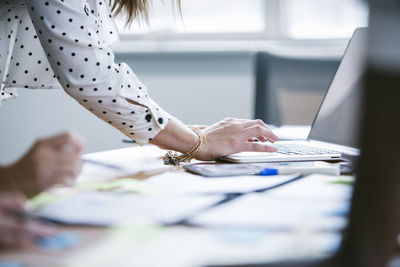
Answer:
(223, 138)
(50, 161)
(16, 230)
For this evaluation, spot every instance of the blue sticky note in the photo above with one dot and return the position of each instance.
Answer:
(58, 242)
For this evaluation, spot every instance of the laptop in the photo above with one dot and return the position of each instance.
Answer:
(334, 132)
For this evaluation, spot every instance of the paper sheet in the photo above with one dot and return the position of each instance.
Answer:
(130, 161)
(186, 183)
(312, 203)
(317, 187)
(185, 246)
(107, 208)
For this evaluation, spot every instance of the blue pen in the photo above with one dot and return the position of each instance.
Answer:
(304, 169)
(269, 171)
(104, 164)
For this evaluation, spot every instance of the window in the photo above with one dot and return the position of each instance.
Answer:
(323, 18)
(261, 19)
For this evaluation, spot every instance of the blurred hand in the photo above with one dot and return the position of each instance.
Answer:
(51, 161)
(231, 136)
(19, 232)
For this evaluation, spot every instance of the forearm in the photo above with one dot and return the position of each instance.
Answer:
(176, 136)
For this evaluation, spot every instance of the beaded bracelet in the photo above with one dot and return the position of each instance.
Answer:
(173, 158)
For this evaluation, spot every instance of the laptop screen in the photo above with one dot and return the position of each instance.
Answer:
(338, 118)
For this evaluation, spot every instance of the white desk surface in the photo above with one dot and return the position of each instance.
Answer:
(142, 243)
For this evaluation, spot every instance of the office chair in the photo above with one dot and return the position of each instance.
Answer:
(273, 72)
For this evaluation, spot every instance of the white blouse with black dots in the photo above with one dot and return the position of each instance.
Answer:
(65, 44)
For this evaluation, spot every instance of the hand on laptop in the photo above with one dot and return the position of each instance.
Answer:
(231, 136)
(51, 161)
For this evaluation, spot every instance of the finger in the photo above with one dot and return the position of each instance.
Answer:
(37, 228)
(258, 147)
(66, 162)
(262, 123)
(63, 177)
(248, 124)
(260, 131)
(15, 238)
(66, 142)
(63, 170)
(23, 235)
(20, 232)
(12, 201)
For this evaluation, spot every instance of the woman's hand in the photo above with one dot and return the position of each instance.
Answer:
(231, 136)
(226, 137)
(16, 231)
(51, 161)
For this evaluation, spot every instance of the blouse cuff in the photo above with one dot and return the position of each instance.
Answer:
(155, 120)
(7, 93)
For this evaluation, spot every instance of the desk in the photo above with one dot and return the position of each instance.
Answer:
(144, 243)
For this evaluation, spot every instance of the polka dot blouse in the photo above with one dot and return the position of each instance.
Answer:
(46, 44)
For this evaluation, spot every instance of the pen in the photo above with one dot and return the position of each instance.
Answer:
(335, 170)
(269, 171)
(103, 164)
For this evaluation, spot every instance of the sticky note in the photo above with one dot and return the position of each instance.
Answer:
(43, 199)
(125, 185)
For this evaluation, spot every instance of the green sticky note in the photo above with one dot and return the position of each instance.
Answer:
(343, 182)
(43, 199)
(127, 185)
(139, 231)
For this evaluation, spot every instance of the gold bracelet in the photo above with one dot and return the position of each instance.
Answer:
(173, 158)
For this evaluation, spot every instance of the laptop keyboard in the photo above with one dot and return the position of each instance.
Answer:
(298, 149)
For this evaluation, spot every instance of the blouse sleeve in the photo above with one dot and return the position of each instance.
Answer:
(76, 37)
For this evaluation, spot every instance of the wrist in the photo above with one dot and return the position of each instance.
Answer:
(189, 141)
(176, 136)
(173, 158)
(6, 178)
